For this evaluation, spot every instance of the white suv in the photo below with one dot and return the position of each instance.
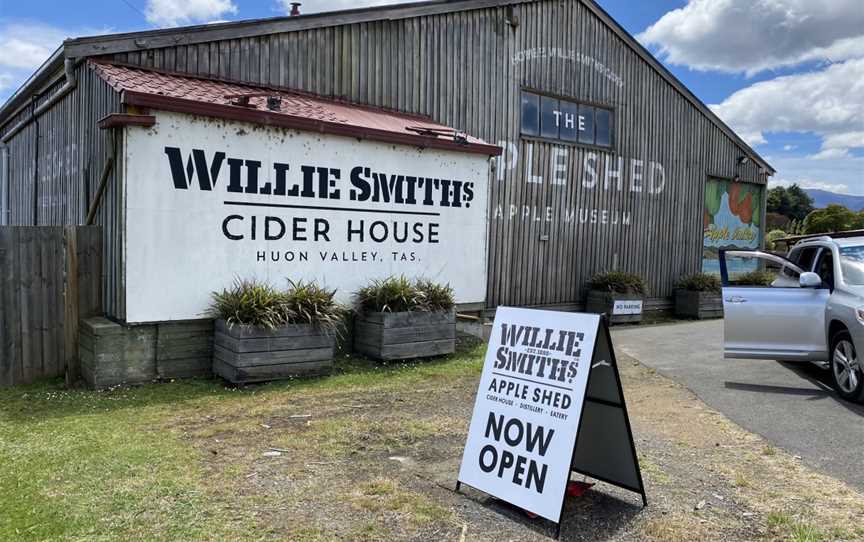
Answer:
(813, 310)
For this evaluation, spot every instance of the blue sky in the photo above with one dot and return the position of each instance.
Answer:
(787, 75)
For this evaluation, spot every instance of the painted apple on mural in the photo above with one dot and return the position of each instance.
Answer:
(730, 220)
(743, 201)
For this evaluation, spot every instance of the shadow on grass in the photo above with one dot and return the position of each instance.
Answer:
(594, 516)
(51, 399)
(597, 515)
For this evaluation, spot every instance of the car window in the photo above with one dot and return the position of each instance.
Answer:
(794, 255)
(765, 270)
(804, 258)
(852, 265)
(825, 268)
(789, 272)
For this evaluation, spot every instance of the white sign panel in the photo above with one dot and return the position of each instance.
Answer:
(208, 201)
(526, 416)
(631, 306)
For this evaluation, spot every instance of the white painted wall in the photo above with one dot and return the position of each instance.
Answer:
(176, 253)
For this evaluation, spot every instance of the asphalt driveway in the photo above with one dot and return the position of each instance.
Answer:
(790, 404)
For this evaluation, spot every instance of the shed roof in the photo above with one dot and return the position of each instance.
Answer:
(291, 109)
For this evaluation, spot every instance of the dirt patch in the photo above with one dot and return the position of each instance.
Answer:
(378, 461)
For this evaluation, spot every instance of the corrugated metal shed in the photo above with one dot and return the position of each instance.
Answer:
(131, 42)
(463, 64)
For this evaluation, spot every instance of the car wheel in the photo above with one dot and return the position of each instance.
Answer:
(847, 368)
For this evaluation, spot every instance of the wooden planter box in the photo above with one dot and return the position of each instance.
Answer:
(405, 335)
(248, 354)
(600, 301)
(700, 305)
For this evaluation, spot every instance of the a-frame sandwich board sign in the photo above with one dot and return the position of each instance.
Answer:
(549, 403)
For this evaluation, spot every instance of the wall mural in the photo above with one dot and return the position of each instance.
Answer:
(731, 219)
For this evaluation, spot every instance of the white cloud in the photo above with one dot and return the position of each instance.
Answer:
(25, 46)
(848, 139)
(827, 102)
(178, 12)
(838, 188)
(842, 175)
(754, 35)
(789, 147)
(830, 154)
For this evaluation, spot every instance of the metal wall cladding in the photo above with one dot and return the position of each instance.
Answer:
(467, 69)
(53, 178)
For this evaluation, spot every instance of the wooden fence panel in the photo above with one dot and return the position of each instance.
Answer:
(50, 278)
(10, 337)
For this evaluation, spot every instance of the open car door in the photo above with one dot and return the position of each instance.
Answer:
(783, 321)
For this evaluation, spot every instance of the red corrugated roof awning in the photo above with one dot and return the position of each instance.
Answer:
(280, 107)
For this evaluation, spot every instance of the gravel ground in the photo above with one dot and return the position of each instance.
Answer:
(381, 464)
(793, 405)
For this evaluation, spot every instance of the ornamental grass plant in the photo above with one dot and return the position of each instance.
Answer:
(700, 282)
(310, 303)
(249, 302)
(755, 278)
(618, 282)
(436, 297)
(401, 294)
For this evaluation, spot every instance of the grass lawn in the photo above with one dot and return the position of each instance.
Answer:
(371, 454)
(127, 463)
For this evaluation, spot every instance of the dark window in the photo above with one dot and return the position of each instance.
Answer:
(569, 121)
(565, 120)
(788, 271)
(794, 255)
(549, 114)
(825, 268)
(805, 258)
(530, 114)
(585, 124)
(603, 122)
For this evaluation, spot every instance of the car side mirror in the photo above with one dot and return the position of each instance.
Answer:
(809, 280)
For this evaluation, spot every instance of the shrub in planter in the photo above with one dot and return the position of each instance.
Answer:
(618, 294)
(399, 318)
(698, 296)
(266, 334)
(754, 278)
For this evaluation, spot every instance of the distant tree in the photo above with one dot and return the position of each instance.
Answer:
(800, 203)
(792, 202)
(795, 227)
(778, 201)
(776, 221)
(830, 219)
(859, 221)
